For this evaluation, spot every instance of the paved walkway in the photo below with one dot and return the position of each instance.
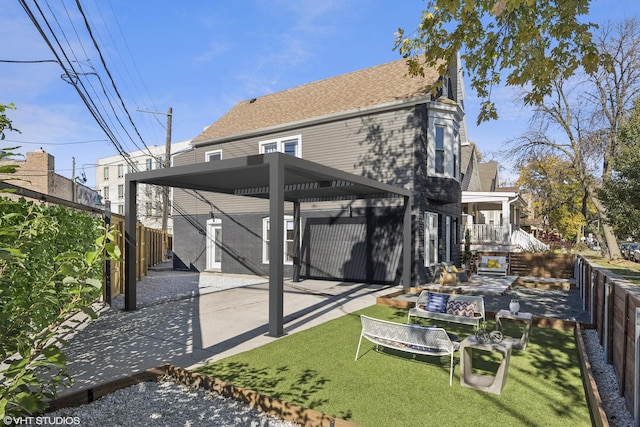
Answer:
(188, 319)
(209, 317)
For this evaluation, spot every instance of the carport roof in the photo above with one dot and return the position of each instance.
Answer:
(304, 181)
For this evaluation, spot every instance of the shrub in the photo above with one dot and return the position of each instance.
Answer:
(51, 261)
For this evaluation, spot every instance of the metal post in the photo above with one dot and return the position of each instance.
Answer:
(296, 242)
(605, 325)
(130, 208)
(406, 244)
(276, 244)
(636, 382)
(107, 263)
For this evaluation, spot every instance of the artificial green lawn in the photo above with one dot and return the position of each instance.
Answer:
(316, 369)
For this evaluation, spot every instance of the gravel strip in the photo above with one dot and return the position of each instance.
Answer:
(614, 405)
(167, 403)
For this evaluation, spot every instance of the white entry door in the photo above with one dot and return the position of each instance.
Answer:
(214, 244)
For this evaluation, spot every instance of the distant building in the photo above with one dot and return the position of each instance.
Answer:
(36, 172)
(110, 174)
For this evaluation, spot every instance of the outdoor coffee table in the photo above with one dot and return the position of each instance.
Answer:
(526, 318)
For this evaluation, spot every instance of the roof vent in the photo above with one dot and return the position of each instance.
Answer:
(252, 100)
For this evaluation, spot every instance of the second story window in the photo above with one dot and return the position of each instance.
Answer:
(120, 171)
(120, 191)
(106, 173)
(149, 163)
(291, 145)
(439, 159)
(105, 193)
(211, 156)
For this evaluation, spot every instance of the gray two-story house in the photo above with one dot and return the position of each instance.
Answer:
(378, 123)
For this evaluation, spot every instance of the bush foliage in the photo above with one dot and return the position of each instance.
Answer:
(51, 261)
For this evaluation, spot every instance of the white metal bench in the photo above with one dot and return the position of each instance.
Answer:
(478, 309)
(499, 270)
(415, 339)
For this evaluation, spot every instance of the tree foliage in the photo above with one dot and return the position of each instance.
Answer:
(580, 120)
(557, 193)
(620, 191)
(535, 42)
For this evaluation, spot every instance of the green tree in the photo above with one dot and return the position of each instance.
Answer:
(620, 191)
(535, 42)
(557, 193)
(580, 121)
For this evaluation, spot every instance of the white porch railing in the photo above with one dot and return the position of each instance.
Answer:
(508, 235)
(488, 233)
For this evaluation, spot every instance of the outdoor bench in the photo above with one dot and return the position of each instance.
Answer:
(464, 309)
(415, 339)
(493, 266)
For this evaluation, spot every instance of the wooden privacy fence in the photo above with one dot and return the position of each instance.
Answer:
(153, 247)
(614, 304)
(535, 264)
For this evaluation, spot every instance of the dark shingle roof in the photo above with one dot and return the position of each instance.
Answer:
(359, 89)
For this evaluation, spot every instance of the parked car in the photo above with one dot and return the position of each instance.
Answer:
(628, 251)
(636, 254)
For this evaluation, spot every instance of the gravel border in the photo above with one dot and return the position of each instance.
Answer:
(605, 377)
(167, 403)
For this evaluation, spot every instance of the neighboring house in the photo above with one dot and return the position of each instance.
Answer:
(492, 214)
(110, 173)
(378, 123)
(36, 172)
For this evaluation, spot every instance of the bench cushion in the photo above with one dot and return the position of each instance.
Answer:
(437, 302)
(461, 308)
(493, 263)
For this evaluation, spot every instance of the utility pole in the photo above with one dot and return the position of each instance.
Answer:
(167, 163)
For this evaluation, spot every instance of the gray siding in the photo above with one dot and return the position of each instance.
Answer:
(378, 146)
(334, 246)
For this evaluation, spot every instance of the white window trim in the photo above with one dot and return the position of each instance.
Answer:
(428, 234)
(280, 144)
(265, 221)
(208, 153)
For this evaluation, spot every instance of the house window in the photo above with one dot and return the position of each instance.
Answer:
(448, 234)
(439, 149)
(456, 154)
(214, 155)
(149, 163)
(105, 193)
(288, 239)
(120, 191)
(159, 162)
(148, 208)
(431, 239)
(147, 189)
(121, 209)
(106, 173)
(290, 145)
(120, 171)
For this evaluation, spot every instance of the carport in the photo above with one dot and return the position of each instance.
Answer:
(279, 178)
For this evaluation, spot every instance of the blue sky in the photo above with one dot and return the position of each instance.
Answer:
(200, 58)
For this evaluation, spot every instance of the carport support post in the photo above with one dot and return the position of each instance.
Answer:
(276, 245)
(130, 208)
(406, 244)
(296, 241)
